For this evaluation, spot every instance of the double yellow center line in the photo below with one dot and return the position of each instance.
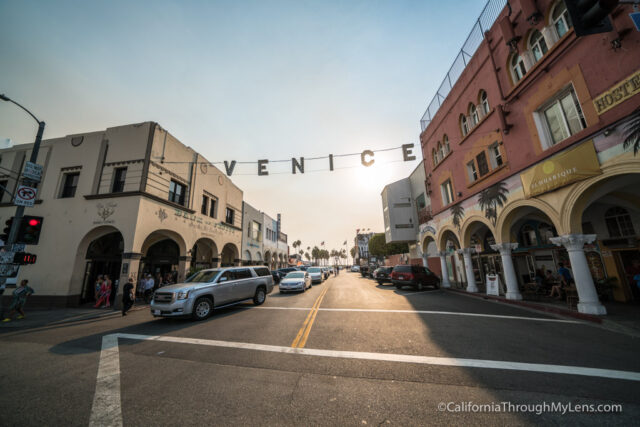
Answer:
(303, 333)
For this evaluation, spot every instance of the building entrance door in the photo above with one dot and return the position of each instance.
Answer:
(104, 256)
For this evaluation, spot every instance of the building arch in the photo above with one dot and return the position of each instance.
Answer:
(445, 234)
(204, 253)
(258, 258)
(471, 225)
(246, 257)
(99, 252)
(267, 258)
(588, 190)
(230, 255)
(518, 209)
(159, 235)
(429, 245)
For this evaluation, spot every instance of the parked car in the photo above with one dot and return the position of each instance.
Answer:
(355, 268)
(287, 270)
(316, 274)
(303, 267)
(326, 272)
(210, 288)
(364, 270)
(415, 276)
(382, 274)
(295, 281)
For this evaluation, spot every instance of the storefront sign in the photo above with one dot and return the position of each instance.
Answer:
(562, 169)
(618, 93)
(493, 284)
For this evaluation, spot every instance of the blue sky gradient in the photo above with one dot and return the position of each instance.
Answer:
(243, 80)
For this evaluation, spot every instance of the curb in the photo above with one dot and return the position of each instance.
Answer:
(543, 308)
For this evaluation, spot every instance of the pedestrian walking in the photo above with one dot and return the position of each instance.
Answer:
(127, 296)
(97, 286)
(105, 293)
(19, 300)
(148, 290)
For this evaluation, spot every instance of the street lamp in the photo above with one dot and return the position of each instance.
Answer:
(34, 156)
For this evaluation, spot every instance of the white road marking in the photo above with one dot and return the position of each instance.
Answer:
(447, 313)
(106, 410)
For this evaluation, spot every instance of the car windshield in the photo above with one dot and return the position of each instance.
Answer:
(203, 276)
(402, 269)
(295, 275)
(315, 270)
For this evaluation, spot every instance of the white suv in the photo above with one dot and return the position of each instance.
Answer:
(210, 288)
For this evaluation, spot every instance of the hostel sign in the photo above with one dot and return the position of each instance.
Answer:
(562, 169)
(618, 93)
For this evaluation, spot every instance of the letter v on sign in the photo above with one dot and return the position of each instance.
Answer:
(229, 167)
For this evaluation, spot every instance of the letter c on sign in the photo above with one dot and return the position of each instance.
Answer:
(365, 162)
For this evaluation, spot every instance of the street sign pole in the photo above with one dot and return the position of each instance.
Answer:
(15, 226)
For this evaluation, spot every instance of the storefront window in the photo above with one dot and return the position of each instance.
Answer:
(618, 222)
(546, 233)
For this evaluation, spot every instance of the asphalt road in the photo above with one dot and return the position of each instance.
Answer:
(364, 354)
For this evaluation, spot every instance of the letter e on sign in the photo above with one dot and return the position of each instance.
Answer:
(407, 153)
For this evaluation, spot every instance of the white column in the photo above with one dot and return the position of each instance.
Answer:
(587, 294)
(424, 261)
(445, 271)
(513, 292)
(468, 267)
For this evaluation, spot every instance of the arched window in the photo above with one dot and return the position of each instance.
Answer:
(473, 115)
(618, 222)
(518, 69)
(537, 45)
(464, 126)
(445, 144)
(561, 19)
(484, 102)
(434, 156)
(440, 151)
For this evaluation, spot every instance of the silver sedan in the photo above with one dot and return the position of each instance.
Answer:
(295, 281)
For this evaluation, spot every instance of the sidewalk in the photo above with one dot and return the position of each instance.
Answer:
(39, 317)
(620, 317)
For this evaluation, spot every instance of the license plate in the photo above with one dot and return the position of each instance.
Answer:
(400, 277)
(156, 312)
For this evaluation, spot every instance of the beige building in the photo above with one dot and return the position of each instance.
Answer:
(124, 201)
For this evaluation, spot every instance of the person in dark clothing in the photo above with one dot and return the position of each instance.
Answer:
(127, 296)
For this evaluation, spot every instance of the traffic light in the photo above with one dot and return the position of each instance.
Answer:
(7, 229)
(29, 231)
(590, 16)
(23, 258)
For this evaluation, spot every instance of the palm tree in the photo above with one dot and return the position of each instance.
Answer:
(491, 198)
(296, 244)
(307, 256)
(632, 132)
(457, 212)
(315, 254)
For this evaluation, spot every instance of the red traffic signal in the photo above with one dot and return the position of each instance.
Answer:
(29, 231)
(23, 258)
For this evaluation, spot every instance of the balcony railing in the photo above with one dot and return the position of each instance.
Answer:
(425, 215)
(488, 16)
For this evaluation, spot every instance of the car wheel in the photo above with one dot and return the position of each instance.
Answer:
(260, 296)
(398, 286)
(202, 308)
(379, 282)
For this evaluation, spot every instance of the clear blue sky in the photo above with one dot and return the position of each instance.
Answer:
(243, 80)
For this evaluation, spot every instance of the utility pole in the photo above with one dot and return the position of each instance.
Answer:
(15, 225)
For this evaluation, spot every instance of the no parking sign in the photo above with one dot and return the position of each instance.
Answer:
(25, 196)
